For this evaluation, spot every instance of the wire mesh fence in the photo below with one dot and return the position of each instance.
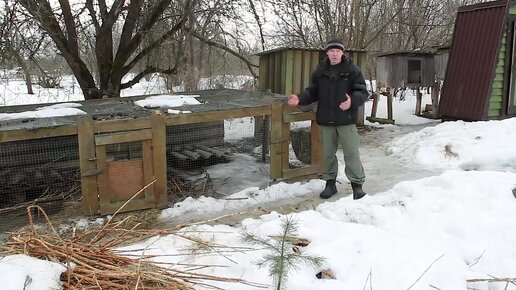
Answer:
(216, 159)
(40, 171)
(212, 156)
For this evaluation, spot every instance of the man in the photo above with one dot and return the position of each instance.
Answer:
(339, 88)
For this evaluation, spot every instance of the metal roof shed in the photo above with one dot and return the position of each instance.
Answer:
(481, 73)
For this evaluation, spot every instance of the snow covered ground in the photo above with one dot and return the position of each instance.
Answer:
(431, 233)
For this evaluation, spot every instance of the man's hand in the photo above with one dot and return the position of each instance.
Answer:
(293, 100)
(344, 106)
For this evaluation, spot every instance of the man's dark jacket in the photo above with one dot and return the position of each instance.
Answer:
(329, 85)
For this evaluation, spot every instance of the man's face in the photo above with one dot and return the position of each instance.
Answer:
(334, 55)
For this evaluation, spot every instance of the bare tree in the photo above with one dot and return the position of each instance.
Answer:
(20, 41)
(118, 33)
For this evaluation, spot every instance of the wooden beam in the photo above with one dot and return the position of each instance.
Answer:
(202, 117)
(159, 154)
(148, 168)
(123, 137)
(102, 179)
(26, 134)
(122, 125)
(380, 120)
(276, 139)
(86, 139)
(297, 172)
(298, 116)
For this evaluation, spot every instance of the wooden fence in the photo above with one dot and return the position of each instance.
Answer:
(98, 174)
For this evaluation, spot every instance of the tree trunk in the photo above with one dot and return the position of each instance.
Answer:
(23, 65)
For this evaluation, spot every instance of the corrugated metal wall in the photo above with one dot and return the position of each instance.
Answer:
(473, 56)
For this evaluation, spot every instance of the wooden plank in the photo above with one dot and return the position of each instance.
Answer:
(270, 72)
(298, 172)
(298, 116)
(278, 74)
(297, 73)
(211, 150)
(123, 137)
(29, 147)
(276, 139)
(194, 156)
(380, 120)
(159, 159)
(179, 156)
(211, 116)
(306, 70)
(122, 125)
(289, 71)
(285, 147)
(102, 177)
(148, 169)
(124, 179)
(24, 134)
(87, 163)
(263, 73)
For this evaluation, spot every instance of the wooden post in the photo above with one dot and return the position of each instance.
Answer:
(389, 104)
(435, 100)
(360, 116)
(419, 98)
(159, 154)
(374, 108)
(88, 165)
(276, 140)
(265, 137)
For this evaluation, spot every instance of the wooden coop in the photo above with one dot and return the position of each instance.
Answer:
(122, 157)
(287, 71)
(481, 75)
(407, 69)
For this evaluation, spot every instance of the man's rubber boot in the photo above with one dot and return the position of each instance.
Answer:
(329, 190)
(358, 192)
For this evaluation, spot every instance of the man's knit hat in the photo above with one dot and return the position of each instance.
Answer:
(334, 43)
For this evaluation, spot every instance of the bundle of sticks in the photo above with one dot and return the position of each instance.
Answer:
(92, 262)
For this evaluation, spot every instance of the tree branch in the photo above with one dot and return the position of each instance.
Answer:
(155, 44)
(147, 71)
(227, 49)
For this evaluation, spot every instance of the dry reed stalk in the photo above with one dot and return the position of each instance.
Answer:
(92, 264)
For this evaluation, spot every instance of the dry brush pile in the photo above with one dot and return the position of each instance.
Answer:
(91, 262)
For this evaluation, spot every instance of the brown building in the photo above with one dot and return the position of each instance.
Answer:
(480, 81)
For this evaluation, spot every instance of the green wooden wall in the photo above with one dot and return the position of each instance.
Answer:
(287, 71)
(496, 99)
